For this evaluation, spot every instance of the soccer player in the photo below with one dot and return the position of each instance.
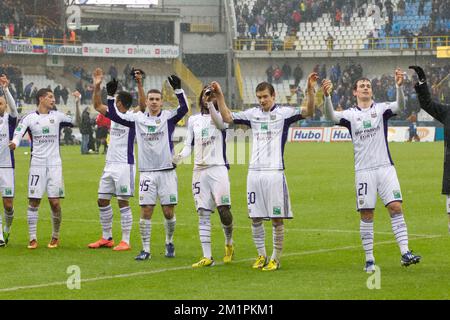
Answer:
(374, 170)
(8, 123)
(119, 172)
(158, 179)
(440, 112)
(210, 182)
(267, 191)
(43, 127)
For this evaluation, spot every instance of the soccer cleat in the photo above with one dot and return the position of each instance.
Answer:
(170, 250)
(123, 246)
(370, 266)
(409, 258)
(229, 253)
(260, 262)
(143, 255)
(33, 244)
(53, 243)
(271, 266)
(102, 243)
(2, 244)
(204, 262)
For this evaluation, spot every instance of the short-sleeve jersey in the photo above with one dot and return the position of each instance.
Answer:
(44, 132)
(269, 131)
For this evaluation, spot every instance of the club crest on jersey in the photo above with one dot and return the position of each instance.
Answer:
(367, 124)
(8, 192)
(273, 117)
(158, 121)
(264, 126)
(205, 132)
(373, 115)
(276, 211)
(151, 129)
(45, 130)
(397, 194)
(52, 121)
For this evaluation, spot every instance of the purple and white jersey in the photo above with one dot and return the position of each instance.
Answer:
(44, 130)
(121, 138)
(208, 141)
(369, 130)
(269, 130)
(8, 123)
(154, 134)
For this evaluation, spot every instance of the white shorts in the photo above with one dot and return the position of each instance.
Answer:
(162, 184)
(211, 188)
(382, 181)
(117, 180)
(42, 179)
(268, 195)
(7, 182)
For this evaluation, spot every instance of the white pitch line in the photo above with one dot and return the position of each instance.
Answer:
(144, 273)
(247, 227)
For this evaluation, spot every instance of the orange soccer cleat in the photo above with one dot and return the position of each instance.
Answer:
(53, 244)
(102, 243)
(123, 246)
(33, 244)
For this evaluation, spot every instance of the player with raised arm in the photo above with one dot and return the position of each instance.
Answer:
(210, 183)
(45, 175)
(158, 179)
(267, 191)
(375, 173)
(119, 172)
(8, 123)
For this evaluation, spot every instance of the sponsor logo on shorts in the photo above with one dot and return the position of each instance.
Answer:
(123, 189)
(8, 191)
(151, 129)
(205, 132)
(361, 201)
(141, 198)
(225, 199)
(367, 124)
(172, 198)
(61, 192)
(45, 130)
(264, 126)
(32, 191)
(276, 211)
(397, 194)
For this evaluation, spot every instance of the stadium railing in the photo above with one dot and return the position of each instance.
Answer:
(388, 43)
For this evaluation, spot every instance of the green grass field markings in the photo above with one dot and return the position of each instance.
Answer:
(144, 273)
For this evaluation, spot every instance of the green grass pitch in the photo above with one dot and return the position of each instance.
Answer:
(322, 257)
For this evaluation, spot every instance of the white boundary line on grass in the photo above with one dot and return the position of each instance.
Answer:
(248, 227)
(143, 273)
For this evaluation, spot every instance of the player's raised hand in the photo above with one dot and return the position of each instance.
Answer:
(217, 89)
(175, 82)
(97, 77)
(12, 145)
(420, 73)
(138, 75)
(77, 95)
(399, 76)
(327, 87)
(111, 87)
(312, 80)
(4, 82)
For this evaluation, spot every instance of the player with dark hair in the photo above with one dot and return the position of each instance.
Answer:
(8, 123)
(119, 173)
(157, 176)
(210, 183)
(270, 126)
(44, 127)
(374, 170)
